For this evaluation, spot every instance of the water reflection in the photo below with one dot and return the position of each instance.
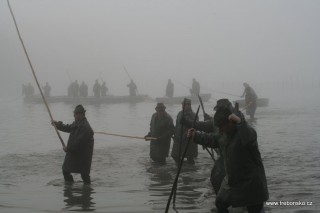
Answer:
(189, 194)
(78, 197)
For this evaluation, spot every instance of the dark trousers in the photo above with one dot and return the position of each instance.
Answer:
(161, 161)
(223, 201)
(69, 178)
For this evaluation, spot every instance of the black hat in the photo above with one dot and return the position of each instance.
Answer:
(160, 106)
(221, 117)
(223, 103)
(79, 109)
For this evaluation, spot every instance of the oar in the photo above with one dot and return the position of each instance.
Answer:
(174, 186)
(34, 75)
(68, 75)
(126, 136)
(245, 107)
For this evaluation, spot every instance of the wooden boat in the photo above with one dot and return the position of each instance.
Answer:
(109, 99)
(179, 99)
(261, 102)
(38, 99)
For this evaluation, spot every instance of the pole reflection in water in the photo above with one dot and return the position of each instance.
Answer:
(192, 186)
(78, 197)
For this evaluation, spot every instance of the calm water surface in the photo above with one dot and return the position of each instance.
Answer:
(125, 180)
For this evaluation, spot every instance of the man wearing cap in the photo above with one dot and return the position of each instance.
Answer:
(180, 136)
(79, 148)
(245, 183)
(162, 128)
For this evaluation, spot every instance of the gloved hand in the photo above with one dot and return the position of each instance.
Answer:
(148, 135)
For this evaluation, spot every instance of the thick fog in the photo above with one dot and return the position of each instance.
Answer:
(273, 45)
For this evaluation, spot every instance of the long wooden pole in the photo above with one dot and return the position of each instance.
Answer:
(126, 136)
(174, 186)
(34, 74)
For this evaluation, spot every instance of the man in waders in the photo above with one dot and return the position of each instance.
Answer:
(180, 135)
(245, 183)
(79, 149)
(162, 128)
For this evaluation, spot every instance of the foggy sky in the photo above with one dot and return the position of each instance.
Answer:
(213, 41)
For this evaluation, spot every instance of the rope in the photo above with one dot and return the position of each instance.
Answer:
(126, 136)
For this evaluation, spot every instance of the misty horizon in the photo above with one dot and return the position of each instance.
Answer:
(270, 45)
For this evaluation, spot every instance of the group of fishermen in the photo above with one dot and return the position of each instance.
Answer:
(76, 90)
(194, 90)
(28, 90)
(238, 176)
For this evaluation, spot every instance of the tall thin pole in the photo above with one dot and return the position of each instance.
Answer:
(34, 74)
(174, 186)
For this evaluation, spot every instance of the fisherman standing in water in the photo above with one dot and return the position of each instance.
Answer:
(250, 98)
(162, 128)
(245, 183)
(180, 140)
(79, 149)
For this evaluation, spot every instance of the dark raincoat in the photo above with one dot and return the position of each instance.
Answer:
(192, 151)
(79, 148)
(244, 168)
(161, 128)
(250, 100)
(218, 172)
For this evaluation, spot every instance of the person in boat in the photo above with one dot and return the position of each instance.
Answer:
(169, 89)
(75, 89)
(250, 98)
(83, 90)
(27, 90)
(162, 128)
(70, 88)
(47, 90)
(79, 149)
(245, 183)
(132, 88)
(104, 89)
(195, 89)
(96, 89)
(180, 135)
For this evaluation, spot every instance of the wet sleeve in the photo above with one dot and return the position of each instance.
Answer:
(207, 139)
(63, 127)
(205, 126)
